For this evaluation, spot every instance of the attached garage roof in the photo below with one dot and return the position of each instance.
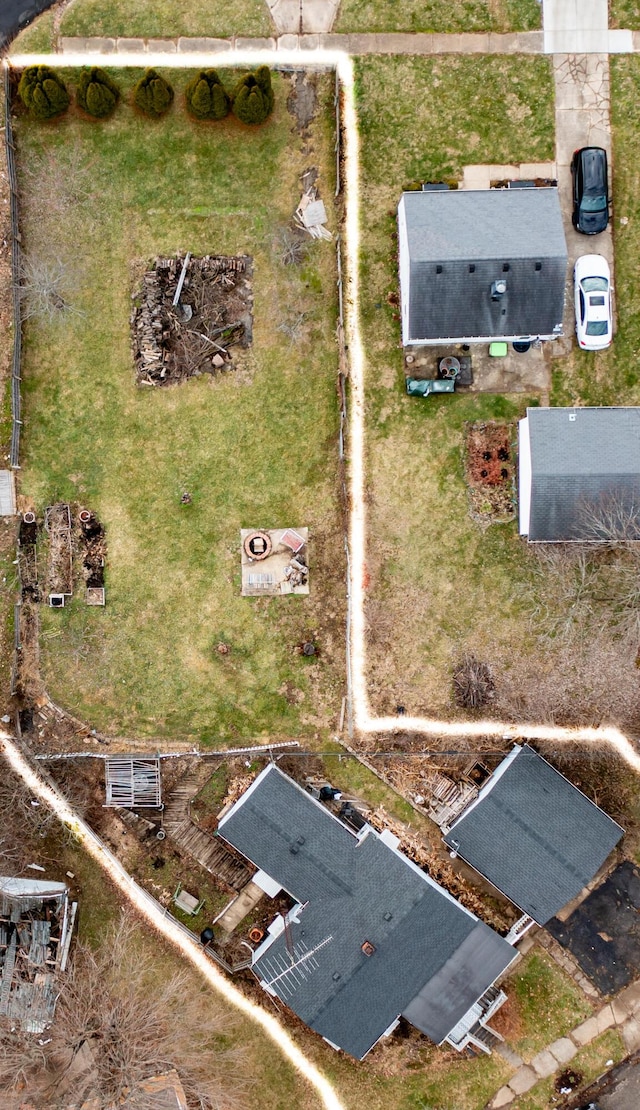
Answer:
(534, 835)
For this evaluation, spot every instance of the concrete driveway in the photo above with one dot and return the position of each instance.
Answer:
(582, 119)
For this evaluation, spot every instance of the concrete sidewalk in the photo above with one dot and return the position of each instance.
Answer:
(582, 27)
(623, 1014)
(523, 42)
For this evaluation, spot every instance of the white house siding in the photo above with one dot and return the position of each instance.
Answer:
(524, 476)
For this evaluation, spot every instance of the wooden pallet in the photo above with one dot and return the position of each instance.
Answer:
(207, 850)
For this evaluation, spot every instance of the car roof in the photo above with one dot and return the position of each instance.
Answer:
(594, 162)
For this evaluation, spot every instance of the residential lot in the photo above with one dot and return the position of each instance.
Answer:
(442, 583)
(254, 447)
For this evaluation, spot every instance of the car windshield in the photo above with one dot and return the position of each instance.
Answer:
(591, 284)
(597, 327)
(593, 204)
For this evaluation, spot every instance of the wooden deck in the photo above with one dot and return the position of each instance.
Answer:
(207, 850)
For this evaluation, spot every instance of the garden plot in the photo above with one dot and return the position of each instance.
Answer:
(188, 315)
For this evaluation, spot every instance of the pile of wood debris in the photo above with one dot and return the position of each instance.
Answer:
(187, 316)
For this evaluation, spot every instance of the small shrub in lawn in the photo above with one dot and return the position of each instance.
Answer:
(253, 98)
(152, 94)
(97, 94)
(43, 92)
(206, 96)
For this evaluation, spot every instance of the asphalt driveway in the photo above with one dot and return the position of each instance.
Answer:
(16, 14)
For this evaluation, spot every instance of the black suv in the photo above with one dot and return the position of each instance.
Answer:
(590, 190)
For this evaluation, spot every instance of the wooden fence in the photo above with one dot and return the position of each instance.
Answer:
(16, 271)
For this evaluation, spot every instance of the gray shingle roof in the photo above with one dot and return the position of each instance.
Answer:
(486, 229)
(431, 956)
(534, 835)
(581, 457)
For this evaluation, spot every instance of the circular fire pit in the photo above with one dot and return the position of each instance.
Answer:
(257, 546)
(449, 367)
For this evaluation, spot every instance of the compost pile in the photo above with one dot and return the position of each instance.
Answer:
(213, 314)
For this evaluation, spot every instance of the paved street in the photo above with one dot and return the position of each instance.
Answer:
(15, 14)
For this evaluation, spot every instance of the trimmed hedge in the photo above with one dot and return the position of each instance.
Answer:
(152, 94)
(43, 92)
(253, 98)
(97, 94)
(206, 96)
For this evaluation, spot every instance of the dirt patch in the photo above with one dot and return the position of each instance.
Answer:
(213, 313)
(302, 102)
(490, 471)
(57, 524)
(93, 546)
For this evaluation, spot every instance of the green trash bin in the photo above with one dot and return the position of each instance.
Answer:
(498, 350)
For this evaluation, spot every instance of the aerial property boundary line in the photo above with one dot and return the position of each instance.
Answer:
(359, 708)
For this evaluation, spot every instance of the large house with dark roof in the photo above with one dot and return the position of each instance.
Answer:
(477, 266)
(533, 835)
(579, 474)
(371, 936)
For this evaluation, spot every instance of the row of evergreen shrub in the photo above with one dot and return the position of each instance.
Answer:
(45, 94)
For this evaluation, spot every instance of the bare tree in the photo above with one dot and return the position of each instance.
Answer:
(117, 1023)
(613, 517)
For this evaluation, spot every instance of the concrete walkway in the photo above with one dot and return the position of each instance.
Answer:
(310, 16)
(524, 42)
(623, 1014)
(582, 27)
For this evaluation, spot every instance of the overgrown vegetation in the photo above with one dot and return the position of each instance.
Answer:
(255, 447)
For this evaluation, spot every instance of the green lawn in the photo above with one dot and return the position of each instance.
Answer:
(548, 1002)
(256, 448)
(466, 587)
(624, 13)
(433, 15)
(167, 18)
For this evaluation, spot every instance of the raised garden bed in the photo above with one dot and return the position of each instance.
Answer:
(490, 470)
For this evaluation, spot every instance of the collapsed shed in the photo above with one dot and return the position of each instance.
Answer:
(36, 923)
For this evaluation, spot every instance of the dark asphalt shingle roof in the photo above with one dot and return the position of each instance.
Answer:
(487, 229)
(534, 835)
(431, 955)
(581, 457)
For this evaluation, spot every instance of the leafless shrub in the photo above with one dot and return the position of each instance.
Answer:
(589, 682)
(473, 684)
(293, 327)
(43, 289)
(291, 246)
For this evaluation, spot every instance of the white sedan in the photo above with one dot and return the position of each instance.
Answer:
(592, 285)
